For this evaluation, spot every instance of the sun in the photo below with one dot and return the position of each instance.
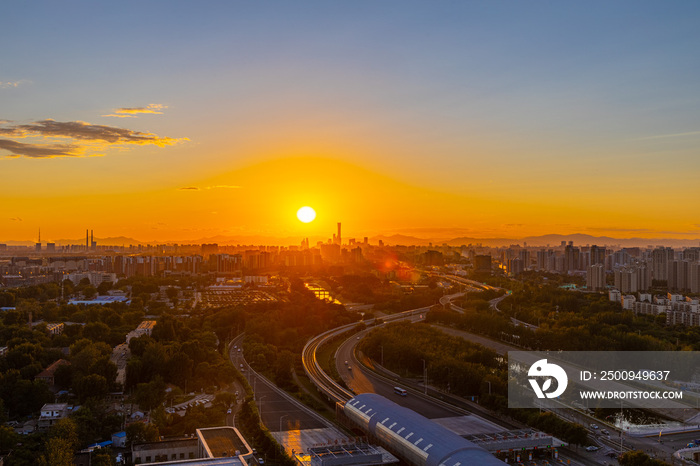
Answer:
(306, 214)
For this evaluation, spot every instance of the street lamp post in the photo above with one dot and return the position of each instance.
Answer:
(488, 382)
(282, 417)
(425, 378)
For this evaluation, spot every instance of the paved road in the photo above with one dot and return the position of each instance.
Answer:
(365, 382)
(277, 411)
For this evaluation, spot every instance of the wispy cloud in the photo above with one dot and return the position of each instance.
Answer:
(221, 186)
(15, 219)
(86, 139)
(674, 135)
(9, 84)
(133, 112)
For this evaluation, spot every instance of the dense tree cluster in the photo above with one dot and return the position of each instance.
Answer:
(639, 458)
(577, 322)
(276, 333)
(182, 352)
(451, 362)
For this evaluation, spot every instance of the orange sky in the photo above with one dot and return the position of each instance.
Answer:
(457, 119)
(262, 199)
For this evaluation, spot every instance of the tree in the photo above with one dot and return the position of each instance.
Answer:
(91, 386)
(104, 287)
(96, 331)
(8, 438)
(151, 394)
(140, 432)
(638, 458)
(58, 453)
(225, 399)
(67, 430)
(89, 292)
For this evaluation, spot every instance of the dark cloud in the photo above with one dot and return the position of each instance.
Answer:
(38, 151)
(86, 138)
(15, 219)
(189, 188)
(88, 132)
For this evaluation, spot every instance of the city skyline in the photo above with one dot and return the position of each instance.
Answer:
(478, 121)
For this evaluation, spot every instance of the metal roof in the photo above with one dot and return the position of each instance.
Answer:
(439, 446)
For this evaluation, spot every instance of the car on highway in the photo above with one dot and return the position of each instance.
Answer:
(594, 426)
(592, 448)
(261, 461)
(605, 432)
(349, 368)
(229, 411)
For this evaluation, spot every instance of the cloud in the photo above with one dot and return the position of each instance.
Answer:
(674, 135)
(38, 151)
(15, 219)
(221, 186)
(86, 138)
(9, 84)
(132, 112)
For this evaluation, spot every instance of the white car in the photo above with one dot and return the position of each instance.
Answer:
(592, 448)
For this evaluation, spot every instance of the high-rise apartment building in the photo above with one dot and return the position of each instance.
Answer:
(595, 277)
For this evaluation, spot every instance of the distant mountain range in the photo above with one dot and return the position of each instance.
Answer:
(550, 240)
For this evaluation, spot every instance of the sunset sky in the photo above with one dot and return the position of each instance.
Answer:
(181, 120)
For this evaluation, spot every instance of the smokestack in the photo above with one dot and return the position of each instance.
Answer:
(92, 240)
(87, 240)
(340, 241)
